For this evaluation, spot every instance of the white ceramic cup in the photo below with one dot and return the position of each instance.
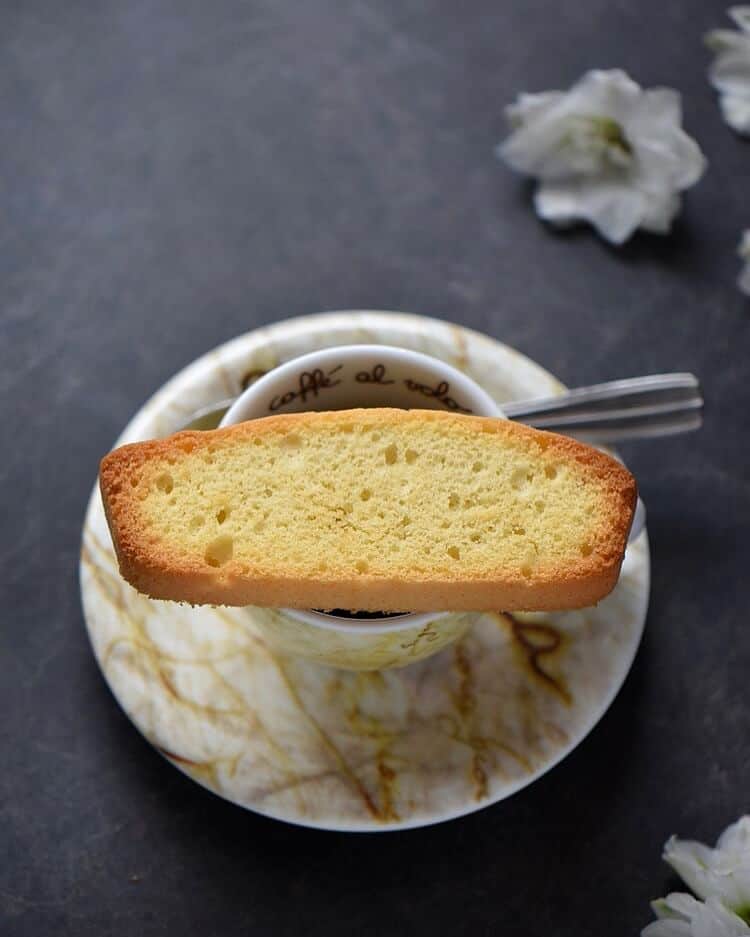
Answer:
(350, 376)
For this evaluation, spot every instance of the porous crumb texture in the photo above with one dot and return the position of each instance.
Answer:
(370, 509)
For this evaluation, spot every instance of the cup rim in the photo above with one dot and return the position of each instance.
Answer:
(363, 625)
(483, 405)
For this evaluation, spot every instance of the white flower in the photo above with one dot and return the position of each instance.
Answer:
(730, 71)
(681, 915)
(606, 152)
(723, 872)
(744, 251)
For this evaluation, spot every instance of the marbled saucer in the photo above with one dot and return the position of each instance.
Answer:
(336, 749)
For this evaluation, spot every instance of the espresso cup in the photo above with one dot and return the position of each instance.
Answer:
(343, 378)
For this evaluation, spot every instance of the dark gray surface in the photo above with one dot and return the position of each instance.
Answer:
(173, 174)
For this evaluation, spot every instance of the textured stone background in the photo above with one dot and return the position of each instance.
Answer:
(172, 174)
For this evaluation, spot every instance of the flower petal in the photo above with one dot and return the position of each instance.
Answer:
(610, 94)
(701, 869)
(666, 151)
(614, 208)
(690, 163)
(730, 71)
(692, 862)
(712, 919)
(528, 107)
(658, 106)
(680, 915)
(741, 16)
(667, 929)
(659, 212)
(722, 873)
(545, 146)
(536, 150)
(736, 111)
(538, 146)
(672, 160)
(677, 904)
(726, 40)
(736, 837)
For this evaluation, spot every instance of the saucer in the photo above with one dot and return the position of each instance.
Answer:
(335, 749)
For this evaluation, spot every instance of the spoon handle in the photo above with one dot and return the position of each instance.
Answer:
(654, 405)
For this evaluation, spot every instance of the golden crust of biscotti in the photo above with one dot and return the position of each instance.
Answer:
(150, 488)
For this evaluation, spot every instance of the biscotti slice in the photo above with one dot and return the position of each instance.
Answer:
(376, 509)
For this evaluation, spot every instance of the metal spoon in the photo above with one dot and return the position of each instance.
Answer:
(636, 408)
